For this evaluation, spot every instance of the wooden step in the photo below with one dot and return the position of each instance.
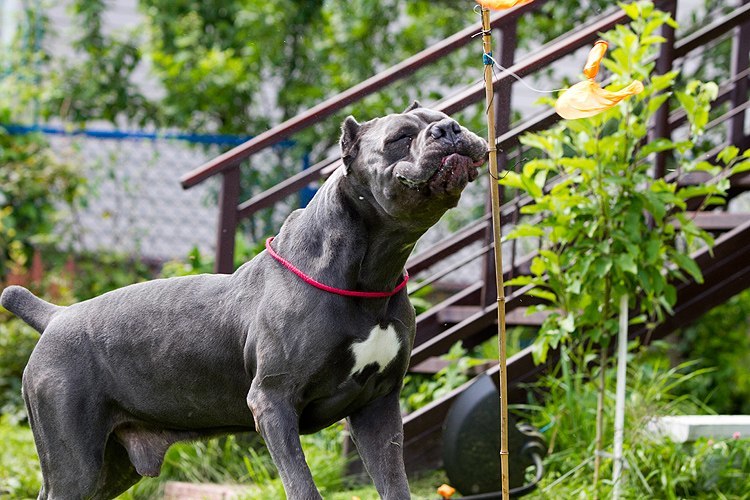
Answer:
(175, 490)
(685, 428)
(516, 317)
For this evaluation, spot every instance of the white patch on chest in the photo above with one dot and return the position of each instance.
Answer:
(381, 347)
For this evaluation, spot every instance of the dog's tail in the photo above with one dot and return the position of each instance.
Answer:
(27, 306)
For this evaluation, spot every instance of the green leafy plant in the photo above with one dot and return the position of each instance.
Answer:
(609, 228)
(720, 340)
(17, 340)
(33, 184)
(658, 467)
(420, 390)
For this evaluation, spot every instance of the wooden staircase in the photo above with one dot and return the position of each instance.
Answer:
(470, 314)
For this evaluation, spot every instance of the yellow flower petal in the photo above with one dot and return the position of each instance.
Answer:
(502, 4)
(595, 57)
(587, 98)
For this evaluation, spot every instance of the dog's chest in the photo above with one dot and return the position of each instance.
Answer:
(360, 370)
(378, 350)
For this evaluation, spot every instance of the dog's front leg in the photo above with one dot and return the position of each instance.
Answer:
(378, 432)
(277, 422)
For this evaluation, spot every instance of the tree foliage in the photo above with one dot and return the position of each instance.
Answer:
(35, 183)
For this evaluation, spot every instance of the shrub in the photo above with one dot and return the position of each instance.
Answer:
(33, 185)
(721, 339)
(656, 468)
(17, 340)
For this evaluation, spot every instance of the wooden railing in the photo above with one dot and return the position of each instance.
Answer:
(422, 429)
(228, 164)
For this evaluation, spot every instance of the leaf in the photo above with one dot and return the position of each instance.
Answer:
(653, 40)
(655, 102)
(689, 192)
(728, 154)
(670, 294)
(520, 281)
(687, 264)
(539, 349)
(626, 263)
(538, 266)
(631, 9)
(654, 205)
(510, 179)
(525, 231)
(661, 82)
(655, 146)
(715, 201)
(653, 248)
(531, 167)
(567, 324)
(704, 166)
(542, 294)
(531, 187)
(537, 141)
(739, 168)
(574, 288)
(601, 266)
(582, 163)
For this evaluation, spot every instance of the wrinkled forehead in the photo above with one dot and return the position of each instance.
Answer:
(414, 120)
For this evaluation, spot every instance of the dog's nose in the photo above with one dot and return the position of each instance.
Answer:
(447, 130)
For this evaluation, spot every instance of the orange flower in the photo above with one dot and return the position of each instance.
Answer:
(446, 491)
(587, 98)
(502, 4)
(595, 57)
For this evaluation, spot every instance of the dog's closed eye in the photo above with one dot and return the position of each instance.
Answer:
(400, 146)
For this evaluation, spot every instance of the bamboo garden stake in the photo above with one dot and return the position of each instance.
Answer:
(497, 234)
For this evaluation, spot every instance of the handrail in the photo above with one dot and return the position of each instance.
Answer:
(328, 107)
(726, 273)
(231, 213)
(548, 53)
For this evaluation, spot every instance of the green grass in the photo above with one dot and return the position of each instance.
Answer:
(19, 466)
(657, 469)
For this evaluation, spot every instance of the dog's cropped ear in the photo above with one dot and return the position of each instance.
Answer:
(349, 141)
(413, 106)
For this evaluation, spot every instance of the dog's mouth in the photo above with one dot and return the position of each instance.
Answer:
(453, 173)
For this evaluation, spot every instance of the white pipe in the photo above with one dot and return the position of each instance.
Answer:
(622, 360)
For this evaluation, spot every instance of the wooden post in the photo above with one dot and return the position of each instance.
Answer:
(228, 199)
(740, 50)
(502, 125)
(664, 65)
(496, 226)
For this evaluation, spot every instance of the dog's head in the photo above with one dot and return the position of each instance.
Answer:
(413, 164)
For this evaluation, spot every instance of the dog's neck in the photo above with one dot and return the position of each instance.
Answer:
(362, 251)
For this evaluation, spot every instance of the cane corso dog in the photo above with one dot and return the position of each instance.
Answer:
(278, 346)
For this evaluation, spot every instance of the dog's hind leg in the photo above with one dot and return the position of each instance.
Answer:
(117, 473)
(69, 432)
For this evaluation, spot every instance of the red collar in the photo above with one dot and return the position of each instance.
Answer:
(338, 291)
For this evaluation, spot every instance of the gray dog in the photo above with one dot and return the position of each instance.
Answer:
(115, 380)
